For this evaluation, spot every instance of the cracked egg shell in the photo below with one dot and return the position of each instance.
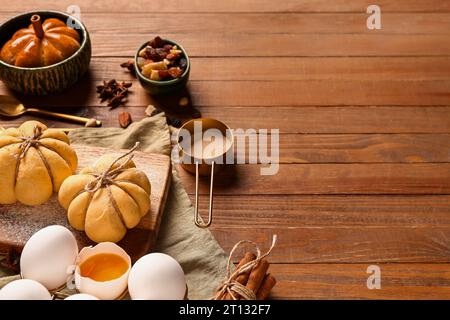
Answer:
(104, 290)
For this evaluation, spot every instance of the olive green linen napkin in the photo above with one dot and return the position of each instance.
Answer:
(203, 260)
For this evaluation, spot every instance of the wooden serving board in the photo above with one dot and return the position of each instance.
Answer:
(19, 222)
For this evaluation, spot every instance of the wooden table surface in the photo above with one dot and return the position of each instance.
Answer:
(364, 117)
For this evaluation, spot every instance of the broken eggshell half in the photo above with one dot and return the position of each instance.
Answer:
(104, 290)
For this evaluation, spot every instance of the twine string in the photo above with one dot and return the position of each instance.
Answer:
(29, 142)
(106, 177)
(230, 285)
(32, 142)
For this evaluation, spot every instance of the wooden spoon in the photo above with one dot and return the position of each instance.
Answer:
(10, 107)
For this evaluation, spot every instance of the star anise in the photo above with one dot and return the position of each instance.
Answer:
(114, 92)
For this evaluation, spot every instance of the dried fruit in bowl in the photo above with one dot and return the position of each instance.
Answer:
(161, 61)
(34, 161)
(41, 44)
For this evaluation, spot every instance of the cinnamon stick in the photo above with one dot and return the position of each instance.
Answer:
(257, 275)
(242, 279)
(267, 285)
(37, 26)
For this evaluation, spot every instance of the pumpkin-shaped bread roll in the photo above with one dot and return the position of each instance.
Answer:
(34, 161)
(106, 199)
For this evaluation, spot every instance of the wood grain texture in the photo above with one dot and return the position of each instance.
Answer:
(364, 117)
(310, 6)
(348, 148)
(294, 45)
(355, 244)
(295, 68)
(357, 178)
(254, 23)
(287, 211)
(321, 120)
(292, 93)
(348, 281)
(19, 222)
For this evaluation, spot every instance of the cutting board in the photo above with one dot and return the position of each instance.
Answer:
(18, 222)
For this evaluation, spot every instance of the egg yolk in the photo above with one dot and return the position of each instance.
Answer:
(103, 267)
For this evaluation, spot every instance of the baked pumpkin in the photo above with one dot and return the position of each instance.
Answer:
(106, 199)
(41, 44)
(34, 161)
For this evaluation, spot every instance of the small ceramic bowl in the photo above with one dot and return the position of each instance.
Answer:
(165, 86)
(50, 79)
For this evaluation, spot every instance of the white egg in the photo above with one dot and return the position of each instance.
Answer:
(48, 256)
(157, 276)
(81, 296)
(24, 289)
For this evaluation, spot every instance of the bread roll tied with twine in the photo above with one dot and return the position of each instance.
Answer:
(34, 162)
(108, 198)
(250, 280)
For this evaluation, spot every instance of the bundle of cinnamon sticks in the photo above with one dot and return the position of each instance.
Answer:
(256, 279)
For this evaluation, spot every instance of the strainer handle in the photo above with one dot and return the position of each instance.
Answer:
(197, 219)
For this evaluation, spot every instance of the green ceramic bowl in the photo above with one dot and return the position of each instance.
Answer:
(167, 86)
(50, 79)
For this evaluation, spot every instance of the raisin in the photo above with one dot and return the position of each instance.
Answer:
(161, 53)
(153, 54)
(157, 42)
(147, 51)
(183, 63)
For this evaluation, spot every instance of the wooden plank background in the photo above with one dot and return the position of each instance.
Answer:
(364, 117)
